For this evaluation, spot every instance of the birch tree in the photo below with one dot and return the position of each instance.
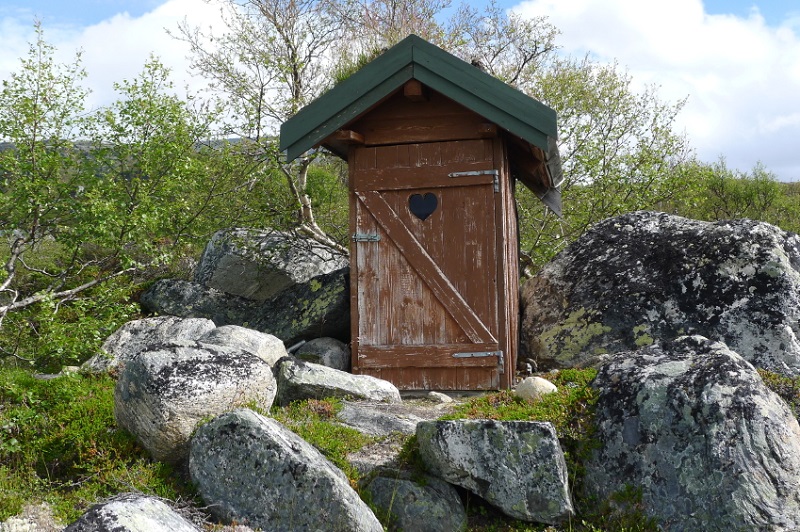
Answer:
(271, 59)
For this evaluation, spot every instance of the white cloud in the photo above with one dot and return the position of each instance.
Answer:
(115, 49)
(741, 75)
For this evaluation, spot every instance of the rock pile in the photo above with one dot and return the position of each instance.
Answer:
(676, 315)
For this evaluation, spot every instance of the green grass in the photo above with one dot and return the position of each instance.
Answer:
(786, 387)
(59, 443)
(313, 420)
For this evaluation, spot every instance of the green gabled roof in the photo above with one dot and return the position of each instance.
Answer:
(415, 58)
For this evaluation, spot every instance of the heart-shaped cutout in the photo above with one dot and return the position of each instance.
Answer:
(422, 206)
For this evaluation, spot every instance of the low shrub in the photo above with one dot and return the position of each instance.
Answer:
(59, 443)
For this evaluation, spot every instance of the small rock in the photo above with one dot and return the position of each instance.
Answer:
(299, 380)
(438, 397)
(373, 420)
(533, 388)
(131, 512)
(433, 506)
(327, 352)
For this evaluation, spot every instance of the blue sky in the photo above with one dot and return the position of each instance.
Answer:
(86, 12)
(737, 61)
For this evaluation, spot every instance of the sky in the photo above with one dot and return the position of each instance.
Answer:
(737, 61)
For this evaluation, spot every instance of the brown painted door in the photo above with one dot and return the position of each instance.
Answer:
(425, 277)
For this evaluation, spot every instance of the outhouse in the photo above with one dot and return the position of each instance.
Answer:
(434, 146)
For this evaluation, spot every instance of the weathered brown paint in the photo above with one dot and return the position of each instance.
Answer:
(430, 289)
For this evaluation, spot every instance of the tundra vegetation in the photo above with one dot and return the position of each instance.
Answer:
(97, 203)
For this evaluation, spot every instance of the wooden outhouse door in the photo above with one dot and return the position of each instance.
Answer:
(426, 280)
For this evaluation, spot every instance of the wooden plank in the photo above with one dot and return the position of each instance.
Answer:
(423, 356)
(445, 379)
(421, 178)
(414, 91)
(508, 266)
(347, 136)
(410, 247)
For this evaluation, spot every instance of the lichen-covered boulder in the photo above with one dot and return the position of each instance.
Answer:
(517, 466)
(320, 307)
(268, 348)
(258, 264)
(635, 279)
(252, 470)
(692, 425)
(139, 335)
(131, 512)
(162, 394)
(298, 380)
(326, 351)
(187, 299)
(430, 506)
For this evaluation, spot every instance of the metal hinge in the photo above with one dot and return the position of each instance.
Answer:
(366, 237)
(495, 173)
(481, 354)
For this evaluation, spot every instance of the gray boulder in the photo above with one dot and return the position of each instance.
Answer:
(252, 470)
(139, 335)
(299, 380)
(693, 425)
(643, 277)
(517, 466)
(317, 308)
(326, 351)
(162, 394)
(131, 512)
(432, 506)
(188, 299)
(268, 348)
(257, 264)
(376, 419)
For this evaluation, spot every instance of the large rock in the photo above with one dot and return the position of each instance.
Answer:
(316, 308)
(326, 351)
(162, 394)
(252, 470)
(635, 279)
(131, 512)
(299, 380)
(430, 506)
(693, 426)
(268, 348)
(517, 466)
(259, 264)
(139, 335)
(187, 299)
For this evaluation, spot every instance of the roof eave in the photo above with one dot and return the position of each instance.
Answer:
(414, 58)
